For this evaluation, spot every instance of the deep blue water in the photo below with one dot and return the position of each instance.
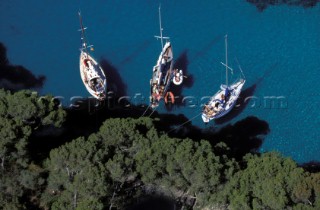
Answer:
(278, 49)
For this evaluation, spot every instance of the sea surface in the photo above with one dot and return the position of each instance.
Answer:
(277, 48)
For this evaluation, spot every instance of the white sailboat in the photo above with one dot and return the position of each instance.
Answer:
(224, 100)
(163, 73)
(92, 74)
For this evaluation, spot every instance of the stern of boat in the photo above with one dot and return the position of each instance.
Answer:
(205, 119)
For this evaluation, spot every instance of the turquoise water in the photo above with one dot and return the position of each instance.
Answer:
(278, 49)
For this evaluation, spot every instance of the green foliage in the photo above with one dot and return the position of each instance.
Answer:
(189, 169)
(74, 178)
(128, 158)
(20, 114)
(307, 192)
(132, 150)
(11, 190)
(127, 153)
(268, 182)
(121, 168)
(28, 107)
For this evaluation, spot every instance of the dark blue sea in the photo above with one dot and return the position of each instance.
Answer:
(277, 48)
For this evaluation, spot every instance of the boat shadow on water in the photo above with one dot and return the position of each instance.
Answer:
(263, 4)
(85, 118)
(245, 136)
(242, 137)
(182, 63)
(245, 98)
(114, 80)
(135, 52)
(204, 50)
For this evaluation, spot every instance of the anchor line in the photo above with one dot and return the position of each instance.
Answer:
(145, 111)
(184, 123)
(152, 112)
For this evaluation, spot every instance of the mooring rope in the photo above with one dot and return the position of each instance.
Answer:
(145, 111)
(152, 112)
(184, 123)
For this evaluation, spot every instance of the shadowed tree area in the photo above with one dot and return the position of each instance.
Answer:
(15, 77)
(312, 166)
(154, 203)
(263, 4)
(127, 159)
(21, 114)
(86, 117)
(125, 163)
(243, 137)
(130, 163)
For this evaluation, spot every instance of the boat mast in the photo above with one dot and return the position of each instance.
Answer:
(85, 45)
(82, 33)
(161, 29)
(161, 37)
(226, 43)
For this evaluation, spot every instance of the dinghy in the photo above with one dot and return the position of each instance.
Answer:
(163, 73)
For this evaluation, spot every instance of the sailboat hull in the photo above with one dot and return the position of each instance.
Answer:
(227, 106)
(161, 76)
(92, 76)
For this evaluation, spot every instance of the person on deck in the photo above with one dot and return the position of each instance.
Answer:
(227, 93)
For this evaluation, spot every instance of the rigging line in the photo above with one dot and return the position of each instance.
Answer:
(226, 43)
(221, 75)
(240, 68)
(145, 111)
(79, 5)
(152, 112)
(184, 123)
